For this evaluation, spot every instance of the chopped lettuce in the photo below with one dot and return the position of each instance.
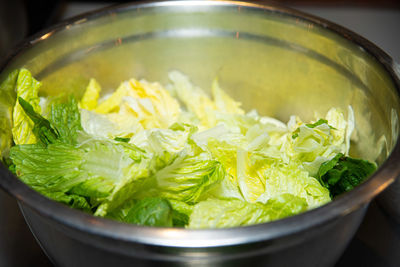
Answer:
(149, 103)
(284, 178)
(181, 212)
(90, 97)
(314, 143)
(219, 213)
(341, 174)
(42, 129)
(65, 117)
(7, 97)
(27, 88)
(175, 156)
(150, 212)
(187, 178)
(83, 170)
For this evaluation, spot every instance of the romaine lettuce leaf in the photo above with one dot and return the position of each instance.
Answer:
(159, 141)
(314, 143)
(180, 212)
(66, 119)
(91, 95)
(217, 213)
(153, 211)
(83, 170)
(27, 88)
(134, 106)
(186, 178)
(150, 212)
(281, 178)
(194, 99)
(42, 128)
(137, 156)
(149, 103)
(7, 100)
(109, 125)
(341, 174)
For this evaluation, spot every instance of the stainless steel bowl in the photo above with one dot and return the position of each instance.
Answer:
(274, 59)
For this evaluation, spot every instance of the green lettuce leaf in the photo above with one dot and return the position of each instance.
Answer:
(66, 118)
(341, 174)
(180, 213)
(203, 107)
(42, 129)
(281, 178)
(314, 143)
(27, 88)
(7, 101)
(217, 213)
(214, 166)
(83, 170)
(64, 123)
(186, 178)
(72, 200)
(150, 212)
(121, 212)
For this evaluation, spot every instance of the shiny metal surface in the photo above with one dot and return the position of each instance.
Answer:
(276, 60)
(76, 249)
(390, 198)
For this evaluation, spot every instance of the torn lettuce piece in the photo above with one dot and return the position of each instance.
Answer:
(7, 98)
(27, 88)
(42, 128)
(314, 143)
(83, 170)
(121, 212)
(90, 97)
(341, 174)
(281, 178)
(250, 175)
(109, 125)
(186, 178)
(226, 153)
(217, 213)
(66, 119)
(180, 212)
(150, 212)
(164, 145)
(72, 200)
(194, 98)
(158, 141)
(133, 181)
(149, 103)
(64, 124)
(137, 147)
(134, 106)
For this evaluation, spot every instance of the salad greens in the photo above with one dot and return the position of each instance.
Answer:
(174, 156)
(342, 174)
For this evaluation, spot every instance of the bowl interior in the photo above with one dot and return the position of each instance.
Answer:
(276, 63)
